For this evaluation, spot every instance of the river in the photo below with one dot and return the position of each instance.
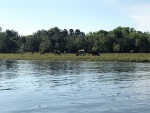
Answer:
(74, 87)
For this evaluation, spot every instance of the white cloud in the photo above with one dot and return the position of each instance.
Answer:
(141, 15)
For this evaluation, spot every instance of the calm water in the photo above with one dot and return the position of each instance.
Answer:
(74, 87)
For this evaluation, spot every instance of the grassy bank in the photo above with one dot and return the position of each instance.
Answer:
(134, 57)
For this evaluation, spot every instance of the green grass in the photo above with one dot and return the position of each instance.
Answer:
(127, 57)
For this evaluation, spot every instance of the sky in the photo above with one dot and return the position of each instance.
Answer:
(29, 16)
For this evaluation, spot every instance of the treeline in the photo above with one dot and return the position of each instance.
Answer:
(120, 39)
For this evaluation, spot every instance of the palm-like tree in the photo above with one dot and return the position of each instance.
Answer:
(71, 32)
(77, 32)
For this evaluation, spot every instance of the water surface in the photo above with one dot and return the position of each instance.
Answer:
(74, 87)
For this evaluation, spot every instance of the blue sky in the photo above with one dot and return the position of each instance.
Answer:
(28, 16)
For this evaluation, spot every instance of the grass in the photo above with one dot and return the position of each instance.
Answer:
(126, 57)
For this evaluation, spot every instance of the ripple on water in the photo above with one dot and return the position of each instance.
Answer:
(65, 87)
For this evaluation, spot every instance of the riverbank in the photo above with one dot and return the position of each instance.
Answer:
(126, 57)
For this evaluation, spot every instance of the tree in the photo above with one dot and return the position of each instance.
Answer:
(120, 39)
(0, 29)
(28, 43)
(45, 44)
(142, 43)
(82, 34)
(12, 40)
(77, 32)
(71, 32)
(116, 48)
(3, 45)
(64, 33)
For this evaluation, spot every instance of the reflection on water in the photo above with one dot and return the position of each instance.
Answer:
(78, 87)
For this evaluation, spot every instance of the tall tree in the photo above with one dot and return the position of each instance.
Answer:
(0, 29)
(71, 32)
(77, 32)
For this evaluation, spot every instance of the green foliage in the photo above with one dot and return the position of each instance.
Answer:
(120, 40)
(116, 48)
(94, 49)
(9, 41)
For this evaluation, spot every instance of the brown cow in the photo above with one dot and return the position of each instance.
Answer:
(80, 52)
(57, 52)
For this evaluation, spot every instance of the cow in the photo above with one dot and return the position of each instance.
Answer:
(132, 51)
(57, 52)
(41, 52)
(95, 53)
(80, 52)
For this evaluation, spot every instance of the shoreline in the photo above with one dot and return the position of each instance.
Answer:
(107, 57)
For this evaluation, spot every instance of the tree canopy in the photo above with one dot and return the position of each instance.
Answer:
(120, 40)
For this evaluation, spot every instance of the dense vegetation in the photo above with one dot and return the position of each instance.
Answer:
(119, 40)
